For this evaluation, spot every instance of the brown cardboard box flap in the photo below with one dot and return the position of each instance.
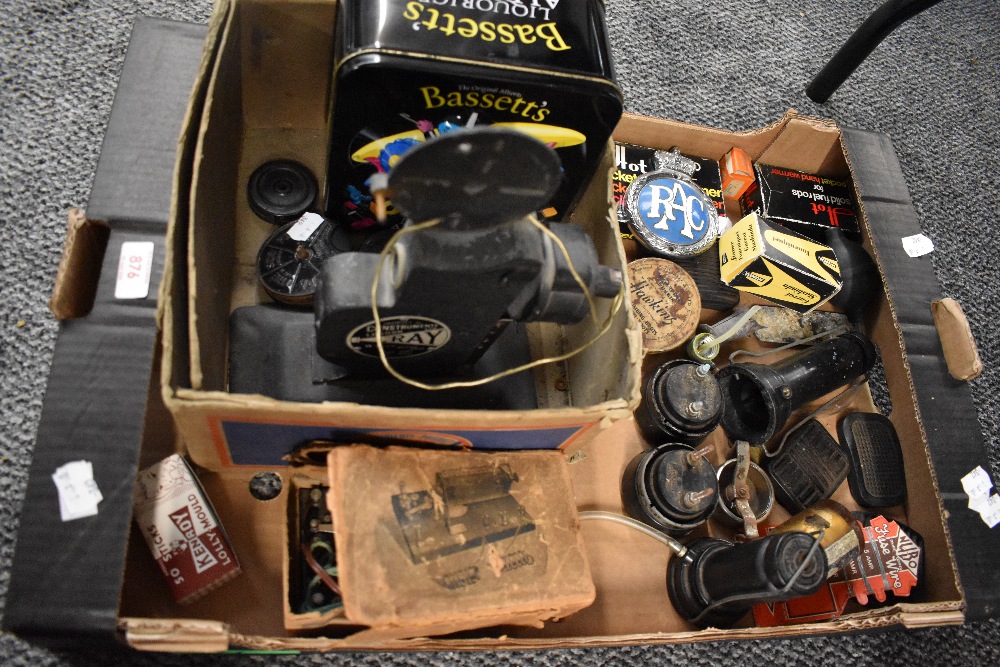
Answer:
(432, 542)
(80, 266)
(815, 140)
(960, 352)
(176, 635)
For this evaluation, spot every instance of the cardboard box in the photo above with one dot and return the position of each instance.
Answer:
(737, 173)
(805, 202)
(631, 603)
(306, 501)
(257, 111)
(432, 543)
(109, 585)
(182, 530)
(778, 265)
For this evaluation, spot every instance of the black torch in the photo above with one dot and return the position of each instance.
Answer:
(758, 398)
(715, 583)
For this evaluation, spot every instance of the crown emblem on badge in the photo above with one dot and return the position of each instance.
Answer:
(673, 161)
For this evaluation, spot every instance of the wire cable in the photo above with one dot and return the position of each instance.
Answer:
(670, 542)
(323, 575)
(377, 320)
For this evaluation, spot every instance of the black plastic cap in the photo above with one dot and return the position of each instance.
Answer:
(280, 191)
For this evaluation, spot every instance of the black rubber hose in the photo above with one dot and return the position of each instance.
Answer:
(859, 46)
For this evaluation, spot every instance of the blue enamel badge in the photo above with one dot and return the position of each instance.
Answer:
(668, 212)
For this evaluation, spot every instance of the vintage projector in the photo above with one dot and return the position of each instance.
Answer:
(446, 298)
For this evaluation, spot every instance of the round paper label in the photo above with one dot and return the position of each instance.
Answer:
(665, 301)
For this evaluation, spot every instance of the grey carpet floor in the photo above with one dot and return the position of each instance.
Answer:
(934, 86)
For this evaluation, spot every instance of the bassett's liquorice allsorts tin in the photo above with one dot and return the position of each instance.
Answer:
(407, 70)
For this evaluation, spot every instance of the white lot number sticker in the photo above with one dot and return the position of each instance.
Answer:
(977, 485)
(135, 266)
(917, 245)
(78, 492)
(305, 227)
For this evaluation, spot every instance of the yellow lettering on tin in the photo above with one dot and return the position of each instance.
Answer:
(553, 40)
(470, 31)
(428, 18)
(432, 97)
(526, 33)
(412, 11)
(488, 30)
(506, 32)
(431, 23)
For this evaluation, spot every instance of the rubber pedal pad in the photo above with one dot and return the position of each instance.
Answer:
(809, 468)
(877, 477)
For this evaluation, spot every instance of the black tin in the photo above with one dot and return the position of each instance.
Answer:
(681, 402)
(407, 70)
(670, 488)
